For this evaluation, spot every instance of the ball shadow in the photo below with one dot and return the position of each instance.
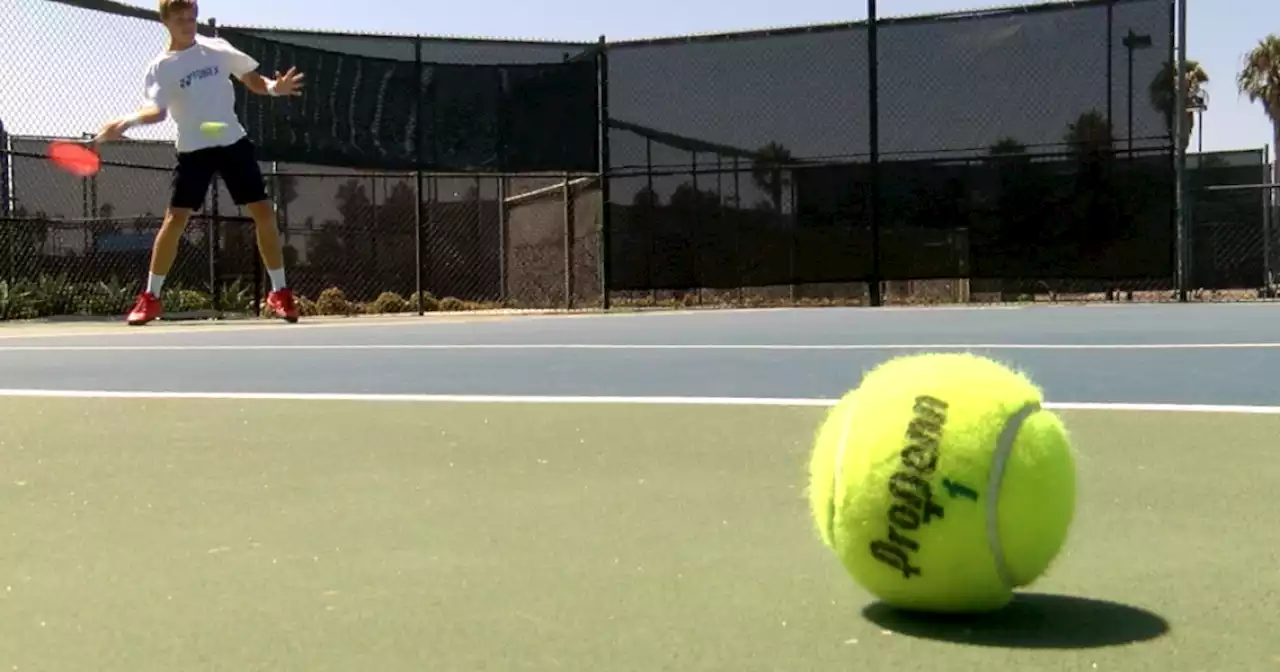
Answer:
(1032, 621)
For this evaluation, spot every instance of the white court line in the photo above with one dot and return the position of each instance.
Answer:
(586, 400)
(249, 347)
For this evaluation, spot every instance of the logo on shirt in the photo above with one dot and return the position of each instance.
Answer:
(202, 73)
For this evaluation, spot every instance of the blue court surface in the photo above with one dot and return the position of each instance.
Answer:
(1148, 354)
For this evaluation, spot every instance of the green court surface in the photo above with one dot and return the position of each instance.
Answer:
(247, 535)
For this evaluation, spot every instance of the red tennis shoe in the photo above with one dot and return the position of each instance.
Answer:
(147, 308)
(282, 304)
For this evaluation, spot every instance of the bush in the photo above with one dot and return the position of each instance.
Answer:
(333, 301)
(182, 300)
(426, 300)
(16, 300)
(236, 297)
(53, 295)
(306, 307)
(451, 304)
(389, 302)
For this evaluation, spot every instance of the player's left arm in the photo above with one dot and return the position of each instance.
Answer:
(288, 84)
(245, 68)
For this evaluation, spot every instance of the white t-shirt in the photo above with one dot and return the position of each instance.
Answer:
(194, 85)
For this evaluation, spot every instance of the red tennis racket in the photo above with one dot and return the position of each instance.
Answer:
(75, 157)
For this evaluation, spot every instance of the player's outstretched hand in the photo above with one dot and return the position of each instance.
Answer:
(110, 132)
(290, 83)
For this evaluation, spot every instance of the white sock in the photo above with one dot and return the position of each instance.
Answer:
(277, 278)
(155, 283)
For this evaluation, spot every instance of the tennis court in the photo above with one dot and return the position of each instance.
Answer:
(600, 493)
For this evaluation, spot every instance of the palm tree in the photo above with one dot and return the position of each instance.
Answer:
(1163, 94)
(1260, 80)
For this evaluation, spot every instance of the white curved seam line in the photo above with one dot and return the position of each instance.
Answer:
(1004, 447)
(835, 479)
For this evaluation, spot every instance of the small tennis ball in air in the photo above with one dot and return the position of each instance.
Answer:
(942, 484)
(212, 128)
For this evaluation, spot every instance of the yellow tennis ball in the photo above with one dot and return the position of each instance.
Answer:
(942, 484)
(212, 128)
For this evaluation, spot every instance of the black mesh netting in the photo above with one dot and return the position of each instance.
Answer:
(362, 111)
(1004, 151)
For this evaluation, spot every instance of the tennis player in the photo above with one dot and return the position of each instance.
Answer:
(191, 82)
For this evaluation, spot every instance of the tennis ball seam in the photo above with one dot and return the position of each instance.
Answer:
(999, 459)
(835, 477)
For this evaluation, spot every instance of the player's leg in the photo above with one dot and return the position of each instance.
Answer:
(243, 177)
(190, 184)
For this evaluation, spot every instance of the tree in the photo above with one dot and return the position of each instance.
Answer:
(767, 171)
(1007, 147)
(1090, 137)
(286, 186)
(646, 198)
(357, 211)
(1259, 79)
(288, 191)
(1163, 93)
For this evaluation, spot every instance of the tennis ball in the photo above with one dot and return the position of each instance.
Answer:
(942, 484)
(212, 128)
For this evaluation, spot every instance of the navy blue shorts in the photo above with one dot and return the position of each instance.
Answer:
(237, 164)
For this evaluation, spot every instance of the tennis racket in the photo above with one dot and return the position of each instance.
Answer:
(75, 156)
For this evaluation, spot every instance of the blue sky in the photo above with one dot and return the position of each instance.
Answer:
(1220, 33)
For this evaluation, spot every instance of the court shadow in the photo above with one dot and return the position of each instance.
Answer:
(1031, 621)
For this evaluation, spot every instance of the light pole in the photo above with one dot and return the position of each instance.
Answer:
(1198, 105)
(1200, 109)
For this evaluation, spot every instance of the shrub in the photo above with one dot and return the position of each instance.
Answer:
(451, 304)
(53, 295)
(179, 300)
(16, 300)
(426, 300)
(388, 302)
(104, 298)
(236, 297)
(333, 301)
(306, 307)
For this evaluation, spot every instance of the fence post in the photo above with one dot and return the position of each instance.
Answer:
(737, 238)
(417, 177)
(1267, 199)
(602, 99)
(215, 289)
(873, 102)
(214, 230)
(502, 239)
(567, 190)
(1179, 106)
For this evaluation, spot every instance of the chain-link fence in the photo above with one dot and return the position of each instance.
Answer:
(1026, 152)
(477, 130)
(1023, 146)
(353, 241)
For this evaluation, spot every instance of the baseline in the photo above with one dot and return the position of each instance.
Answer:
(786, 347)
(555, 399)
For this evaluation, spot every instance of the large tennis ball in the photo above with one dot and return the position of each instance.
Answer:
(942, 484)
